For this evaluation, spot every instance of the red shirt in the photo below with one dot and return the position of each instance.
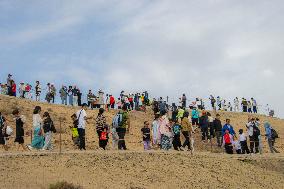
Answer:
(111, 100)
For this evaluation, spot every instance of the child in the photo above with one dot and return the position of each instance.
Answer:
(243, 142)
(75, 134)
(176, 131)
(237, 147)
(104, 137)
(146, 135)
(227, 142)
(48, 128)
(20, 121)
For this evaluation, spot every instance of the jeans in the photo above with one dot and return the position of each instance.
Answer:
(271, 145)
(64, 100)
(219, 138)
(121, 134)
(75, 100)
(47, 141)
(71, 100)
(81, 133)
(147, 145)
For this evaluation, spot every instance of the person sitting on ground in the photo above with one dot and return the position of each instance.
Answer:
(48, 128)
(243, 142)
(271, 136)
(227, 142)
(20, 121)
(146, 136)
(237, 146)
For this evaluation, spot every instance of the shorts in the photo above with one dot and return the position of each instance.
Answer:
(194, 121)
(20, 140)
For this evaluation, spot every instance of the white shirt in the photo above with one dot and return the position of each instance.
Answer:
(37, 121)
(81, 114)
(243, 137)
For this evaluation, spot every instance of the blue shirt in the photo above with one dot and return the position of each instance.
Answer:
(228, 127)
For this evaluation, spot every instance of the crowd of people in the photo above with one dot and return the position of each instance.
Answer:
(163, 133)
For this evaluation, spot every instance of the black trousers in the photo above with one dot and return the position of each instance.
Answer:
(176, 142)
(254, 144)
(82, 138)
(121, 134)
(187, 140)
(244, 146)
(204, 131)
(229, 148)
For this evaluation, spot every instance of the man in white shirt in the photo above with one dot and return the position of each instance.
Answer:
(82, 117)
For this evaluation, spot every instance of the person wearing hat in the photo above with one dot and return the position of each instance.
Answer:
(82, 118)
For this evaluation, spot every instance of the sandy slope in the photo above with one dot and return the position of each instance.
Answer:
(142, 170)
(135, 168)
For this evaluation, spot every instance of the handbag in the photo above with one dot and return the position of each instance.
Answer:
(103, 136)
(9, 131)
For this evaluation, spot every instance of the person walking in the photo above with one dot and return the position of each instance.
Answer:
(48, 128)
(187, 131)
(38, 139)
(20, 121)
(123, 127)
(146, 136)
(271, 137)
(165, 130)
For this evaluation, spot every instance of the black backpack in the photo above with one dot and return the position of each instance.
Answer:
(274, 134)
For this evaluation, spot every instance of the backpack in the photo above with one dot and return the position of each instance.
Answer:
(256, 131)
(176, 129)
(274, 134)
(117, 120)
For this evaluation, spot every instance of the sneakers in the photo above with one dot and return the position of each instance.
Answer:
(30, 147)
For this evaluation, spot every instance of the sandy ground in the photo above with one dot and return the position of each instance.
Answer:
(134, 168)
(141, 170)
